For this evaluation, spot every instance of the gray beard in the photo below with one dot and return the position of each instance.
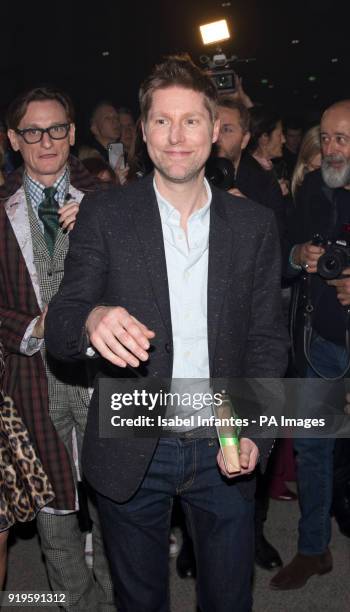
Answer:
(334, 177)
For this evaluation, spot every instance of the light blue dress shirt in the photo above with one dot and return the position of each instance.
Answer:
(186, 257)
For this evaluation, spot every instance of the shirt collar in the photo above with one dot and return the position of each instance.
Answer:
(35, 190)
(168, 212)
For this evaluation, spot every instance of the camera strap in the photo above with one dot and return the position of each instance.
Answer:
(308, 331)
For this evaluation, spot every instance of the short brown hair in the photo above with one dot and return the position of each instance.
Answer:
(19, 106)
(178, 70)
(227, 101)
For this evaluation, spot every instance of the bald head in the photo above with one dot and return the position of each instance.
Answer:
(343, 106)
(335, 145)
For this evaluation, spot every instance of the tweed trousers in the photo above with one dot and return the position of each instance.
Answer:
(62, 542)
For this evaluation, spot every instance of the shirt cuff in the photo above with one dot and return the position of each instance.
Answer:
(29, 345)
(291, 262)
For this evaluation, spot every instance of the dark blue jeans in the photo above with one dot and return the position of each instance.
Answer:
(220, 521)
(315, 455)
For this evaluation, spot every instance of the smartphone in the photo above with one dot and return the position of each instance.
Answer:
(115, 153)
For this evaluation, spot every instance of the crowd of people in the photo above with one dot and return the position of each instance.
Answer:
(137, 266)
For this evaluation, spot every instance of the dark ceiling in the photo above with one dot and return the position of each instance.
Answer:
(65, 44)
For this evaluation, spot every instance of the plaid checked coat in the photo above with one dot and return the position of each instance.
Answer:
(25, 378)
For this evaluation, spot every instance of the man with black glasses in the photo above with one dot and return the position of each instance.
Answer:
(40, 202)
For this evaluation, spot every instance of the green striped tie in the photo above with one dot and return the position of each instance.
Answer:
(48, 214)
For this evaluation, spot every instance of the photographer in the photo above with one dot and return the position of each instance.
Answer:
(322, 207)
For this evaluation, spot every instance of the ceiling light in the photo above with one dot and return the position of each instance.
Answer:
(214, 32)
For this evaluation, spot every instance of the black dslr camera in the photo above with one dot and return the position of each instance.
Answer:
(220, 172)
(337, 256)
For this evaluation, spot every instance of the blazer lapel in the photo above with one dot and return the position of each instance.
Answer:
(17, 212)
(149, 230)
(220, 253)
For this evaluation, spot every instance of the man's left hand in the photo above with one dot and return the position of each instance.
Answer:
(67, 215)
(342, 286)
(248, 458)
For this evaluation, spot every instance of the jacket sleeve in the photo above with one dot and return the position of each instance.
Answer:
(266, 352)
(300, 227)
(85, 273)
(256, 398)
(16, 310)
(13, 326)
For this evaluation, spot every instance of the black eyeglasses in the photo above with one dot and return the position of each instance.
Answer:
(34, 135)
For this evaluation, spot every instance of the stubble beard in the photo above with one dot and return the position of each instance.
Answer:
(190, 175)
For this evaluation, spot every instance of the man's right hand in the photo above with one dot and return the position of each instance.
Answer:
(347, 405)
(307, 255)
(121, 170)
(118, 336)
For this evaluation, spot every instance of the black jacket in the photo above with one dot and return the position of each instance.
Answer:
(261, 186)
(117, 257)
(320, 210)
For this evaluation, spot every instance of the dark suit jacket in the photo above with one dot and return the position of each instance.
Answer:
(117, 257)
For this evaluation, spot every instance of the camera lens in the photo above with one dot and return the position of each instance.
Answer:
(220, 172)
(331, 264)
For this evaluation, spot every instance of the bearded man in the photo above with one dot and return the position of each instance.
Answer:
(323, 207)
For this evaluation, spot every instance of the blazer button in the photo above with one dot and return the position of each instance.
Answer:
(168, 347)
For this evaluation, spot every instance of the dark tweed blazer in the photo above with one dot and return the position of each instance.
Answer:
(25, 378)
(116, 257)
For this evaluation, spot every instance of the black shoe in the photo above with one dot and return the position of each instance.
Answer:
(185, 562)
(341, 509)
(266, 556)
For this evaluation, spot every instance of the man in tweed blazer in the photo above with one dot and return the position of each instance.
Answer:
(51, 398)
(176, 279)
